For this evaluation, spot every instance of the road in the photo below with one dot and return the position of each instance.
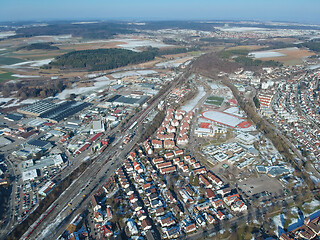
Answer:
(91, 179)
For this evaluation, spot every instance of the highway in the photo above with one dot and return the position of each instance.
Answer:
(79, 192)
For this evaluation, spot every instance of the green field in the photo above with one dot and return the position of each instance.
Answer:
(214, 100)
(9, 60)
(6, 76)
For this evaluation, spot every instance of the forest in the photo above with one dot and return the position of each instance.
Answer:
(101, 30)
(32, 89)
(101, 59)
(40, 46)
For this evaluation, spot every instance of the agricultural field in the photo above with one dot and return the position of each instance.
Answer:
(214, 100)
(246, 47)
(9, 60)
(4, 76)
(287, 56)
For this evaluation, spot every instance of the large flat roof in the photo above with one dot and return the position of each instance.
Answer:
(225, 119)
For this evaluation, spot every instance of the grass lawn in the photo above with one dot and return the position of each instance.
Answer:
(214, 100)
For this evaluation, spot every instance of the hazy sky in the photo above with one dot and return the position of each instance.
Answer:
(306, 11)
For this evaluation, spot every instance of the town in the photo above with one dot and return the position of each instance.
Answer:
(169, 149)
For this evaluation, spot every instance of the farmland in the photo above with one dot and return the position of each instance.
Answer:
(287, 56)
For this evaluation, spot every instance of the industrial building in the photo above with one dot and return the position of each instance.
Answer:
(37, 108)
(53, 112)
(120, 100)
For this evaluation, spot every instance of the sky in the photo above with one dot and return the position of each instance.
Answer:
(303, 11)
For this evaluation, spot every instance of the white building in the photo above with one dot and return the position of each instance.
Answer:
(97, 126)
(45, 189)
(29, 175)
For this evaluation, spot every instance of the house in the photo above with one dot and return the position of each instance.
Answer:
(171, 129)
(153, 196)
(178, 152)
(204, 181)
(185, 168)
(220, 215)
(210, 194)
(210, 219)
(190, 228)
(141, 215)
(176, 160)
(230, 199)
(98, 216)
(169, 155)
(239, 206)
(160, 211)
(109, 212)
(177, 211)
(284, 236)
(168, 144)
(224, 191)
(190, 190)
(167, 170)
(94, 204)
(156, 203)
(146, 186)
(169, 197)
(157, 160)
(157, 144)
(203, 206)
(183, 140)
(137, 206)
(201, 170)
(217, 203)
(187, 158)
(166, 220)
(146, 224)
(133, 198)
(132, 227)
(214, 179)
(200, 221)
(106, 230)
(173, 232)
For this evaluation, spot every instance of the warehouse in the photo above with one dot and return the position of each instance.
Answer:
(129, 101)
(37, 108)
(53, 112)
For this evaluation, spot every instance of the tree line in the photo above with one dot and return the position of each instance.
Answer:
(40, 46)
(32, 89)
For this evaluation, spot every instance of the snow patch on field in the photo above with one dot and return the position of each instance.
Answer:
(97, 87)
(169, 64)
(278, 222)
(103, 78)
(41, 62)
(193, 102)
(266, 54)
(29, 64)
(242, 29)
(132, 44)
(16, 102)
(5, 99)
(132, 73)
(312, 205)
(7, 34)
(24, 76)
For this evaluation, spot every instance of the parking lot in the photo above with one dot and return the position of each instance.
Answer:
(263, 183)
